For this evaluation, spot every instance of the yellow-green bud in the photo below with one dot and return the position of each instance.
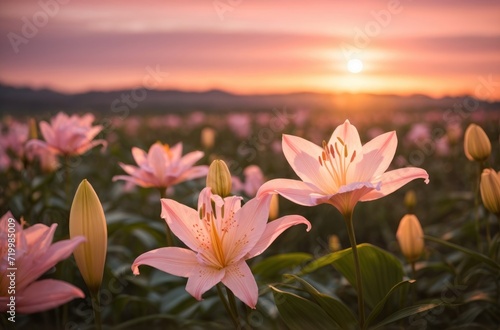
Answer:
(87, 219)
(208, 137)
(410, 237)
(490, 190)
(219, 178)
(274, 207)
(410, 200)
(477, 146)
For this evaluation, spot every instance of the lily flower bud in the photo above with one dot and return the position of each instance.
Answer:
(208, 137)
(219, 178)
(477, 146)
(410, 237)
(87, 219)
(274, 207)
(410, 200)
(490, 190)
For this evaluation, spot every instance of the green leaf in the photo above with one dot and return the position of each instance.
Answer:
(478, 256)
(333, 307)
(323, 261)
(299, 313)
(274, 265)
(405, 312)
(380, 271)
(380, 306)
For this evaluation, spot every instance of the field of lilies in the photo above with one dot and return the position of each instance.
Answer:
(258, 220)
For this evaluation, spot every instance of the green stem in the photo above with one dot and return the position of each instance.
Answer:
(477, 199)
(232, 305)
(359, 284)
(169, 235)
(229, 310)
(67, 179)
(96, 306)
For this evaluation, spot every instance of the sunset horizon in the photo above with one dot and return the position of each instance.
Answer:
(399, 47)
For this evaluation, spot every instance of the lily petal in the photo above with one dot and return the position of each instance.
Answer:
(349, 136)
(55, 253)
(393, 180)
(185, 223)
(156, 159)
(239, 279)
(46, 294)
(172, 260)
(251, 220)
(297, 191)
(273, 230)
(139, 155)
(203, 279)
(377, 156)
(302, 156)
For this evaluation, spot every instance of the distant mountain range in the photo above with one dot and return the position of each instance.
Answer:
(25, 101)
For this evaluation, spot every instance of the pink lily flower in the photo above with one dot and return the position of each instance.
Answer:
(68, 135)
(162, 166)
(34, 255)
(342, 172)
(220, 236)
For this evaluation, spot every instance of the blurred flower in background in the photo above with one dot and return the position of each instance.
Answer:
(68, 135)
(162, 166)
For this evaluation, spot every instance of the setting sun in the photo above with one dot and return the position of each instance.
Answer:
(355, 65)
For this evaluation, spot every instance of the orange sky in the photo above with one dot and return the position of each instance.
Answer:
(448, 47)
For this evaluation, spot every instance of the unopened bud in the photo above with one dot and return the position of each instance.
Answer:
(219, 178)
(410, 237)
(208, 137)
(490, 190)
(274, 207)
(33, 131)
(410, 200)
(477, 146)
(87, 219)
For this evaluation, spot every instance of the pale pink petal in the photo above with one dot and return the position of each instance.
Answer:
(189, 159)
(172, 260)
(135, 180)
(157, 160)
(185, 223)
(55, 253)
(297, 191)
(47, 132)
(303, 157)
(251, 222)
(393, 180)
(44, 295)
(87, 146)
(129, 169)
(176, 151)
(92, 132)
(273, 230)
(192, 173)
(140, 156)
(349, 136)
(376, 158)
(240, 280)
(202, 279)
